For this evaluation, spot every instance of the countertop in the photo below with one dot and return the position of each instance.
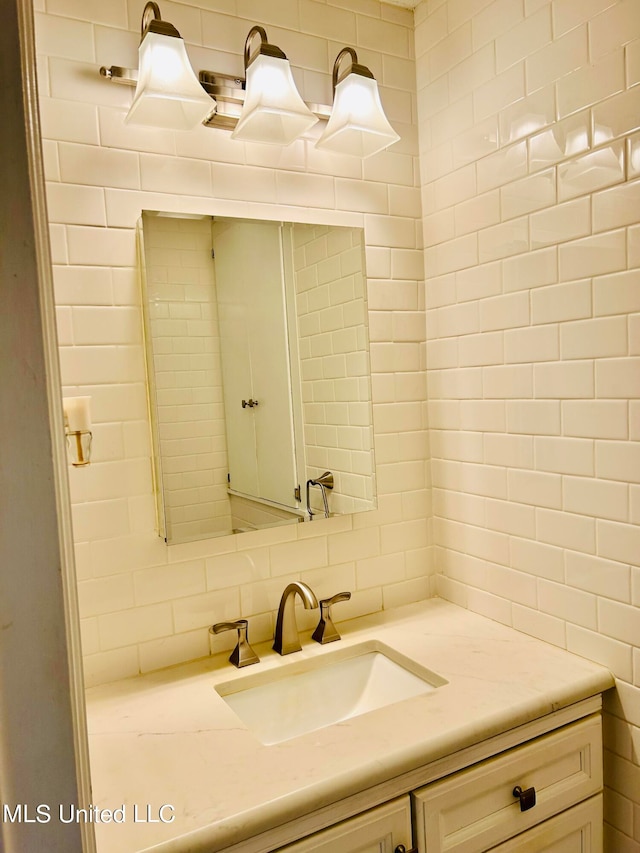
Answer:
(168, 739)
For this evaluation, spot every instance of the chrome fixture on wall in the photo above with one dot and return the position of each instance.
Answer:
(264, 107)
(324, 481)
(77, 428)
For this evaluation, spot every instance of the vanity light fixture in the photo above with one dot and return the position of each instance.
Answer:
(273, 110)
(264, 107)
(357, 124)
(168, 93)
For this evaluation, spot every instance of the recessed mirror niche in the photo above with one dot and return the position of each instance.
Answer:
(257, 350)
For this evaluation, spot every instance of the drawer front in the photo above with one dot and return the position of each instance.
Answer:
(475, 809)
(578, 830)
(379, 830)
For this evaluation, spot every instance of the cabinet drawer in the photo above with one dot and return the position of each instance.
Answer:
(475, 809)
(578, 830)
(379, 830)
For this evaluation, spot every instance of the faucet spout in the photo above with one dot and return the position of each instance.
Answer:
(286, 638)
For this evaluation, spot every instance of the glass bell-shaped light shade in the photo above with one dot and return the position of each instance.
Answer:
(273, 110)
(168, 93)
(357, 124)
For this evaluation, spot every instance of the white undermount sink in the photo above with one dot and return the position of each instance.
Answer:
(300, 697)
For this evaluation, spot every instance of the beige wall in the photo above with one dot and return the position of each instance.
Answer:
(144, 605)
(532, 202)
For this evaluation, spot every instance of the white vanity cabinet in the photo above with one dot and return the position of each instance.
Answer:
(475, 809)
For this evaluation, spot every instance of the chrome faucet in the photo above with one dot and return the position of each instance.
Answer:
(286, 639)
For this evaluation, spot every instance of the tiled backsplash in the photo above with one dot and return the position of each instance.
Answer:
(144, 605)
(528, 119)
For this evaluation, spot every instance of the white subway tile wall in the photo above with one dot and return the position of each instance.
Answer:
(183, 328)
(333, 342)
(528, 120)
(144, 605)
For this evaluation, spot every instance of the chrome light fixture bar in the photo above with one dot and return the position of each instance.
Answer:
(265, 107)
(226, 92)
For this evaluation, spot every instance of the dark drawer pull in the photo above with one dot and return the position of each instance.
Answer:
(402, 849)
(527, 797)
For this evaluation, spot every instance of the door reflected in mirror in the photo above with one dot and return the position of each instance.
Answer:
(257, 350)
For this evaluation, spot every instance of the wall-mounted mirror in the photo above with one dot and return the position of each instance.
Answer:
(259, 383)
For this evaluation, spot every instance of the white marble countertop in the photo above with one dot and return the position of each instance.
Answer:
(168, 738)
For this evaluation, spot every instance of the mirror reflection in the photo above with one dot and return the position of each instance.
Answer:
(258, 372)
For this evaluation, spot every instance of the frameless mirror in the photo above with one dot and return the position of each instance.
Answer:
(258, 372)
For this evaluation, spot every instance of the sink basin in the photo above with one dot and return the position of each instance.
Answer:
(301, 697)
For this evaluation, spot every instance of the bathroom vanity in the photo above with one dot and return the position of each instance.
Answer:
(502, 752)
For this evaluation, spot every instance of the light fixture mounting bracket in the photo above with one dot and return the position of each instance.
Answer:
(354, 68)
(265, 48)
(152, 22)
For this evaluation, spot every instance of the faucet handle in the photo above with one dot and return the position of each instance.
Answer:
(243, 654)
(326, 631)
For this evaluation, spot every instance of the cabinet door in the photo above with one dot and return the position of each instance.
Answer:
(378, 830)
(578, 830)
